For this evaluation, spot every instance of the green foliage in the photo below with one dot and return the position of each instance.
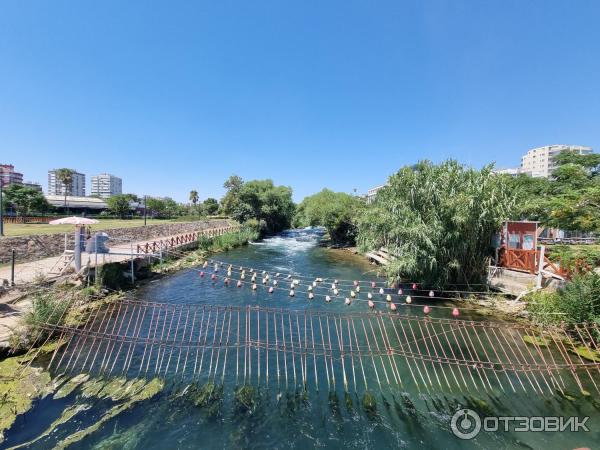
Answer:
(573, 257)
(438, 220)
(119, 205)
(210, 206)
(24, 200)
(336, 211)
(46, 308)
(163, 208)
(569, 200)
(577, 302)
(260, 200)
(228, 241)
(110, 275)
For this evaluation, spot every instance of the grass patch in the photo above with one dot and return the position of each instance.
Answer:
(535, 340)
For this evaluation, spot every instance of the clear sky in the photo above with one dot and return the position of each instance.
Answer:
(173, 96)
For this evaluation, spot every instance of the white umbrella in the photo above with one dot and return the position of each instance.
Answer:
(73, 221)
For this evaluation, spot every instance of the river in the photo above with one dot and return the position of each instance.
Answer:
(404, 417)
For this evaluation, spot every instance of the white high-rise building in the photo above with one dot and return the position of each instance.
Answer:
(539, 162)
(106, 185)
(55, 187)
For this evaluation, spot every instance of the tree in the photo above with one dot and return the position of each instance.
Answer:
(261, 200)
(65, 177)
(439, 221)
(211, 206)
(25, 200)
(336, 211)
(194, 197)
(119, 204)
(569, 200)
(230, 201)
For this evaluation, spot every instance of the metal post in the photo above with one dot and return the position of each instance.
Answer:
(538, 283)
(145, 196)
(161, 258)
(12, 268)
(96, 251)
(1, 214)
(132, 264)
(77, 249)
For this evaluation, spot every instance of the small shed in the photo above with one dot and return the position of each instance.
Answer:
(519, 235)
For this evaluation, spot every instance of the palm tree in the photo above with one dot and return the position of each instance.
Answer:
(194, 197)
(65, 176)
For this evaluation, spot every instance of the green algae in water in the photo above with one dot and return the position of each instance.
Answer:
(20, 385)
(245, 399)
(208, 397)
(66, 415)
(138, 390)
(348, 399)
(369, 403)
(585, 353)
(535, 340)
(70, 385)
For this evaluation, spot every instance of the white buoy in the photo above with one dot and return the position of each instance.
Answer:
(265, 281)
(229, 273)
(369, 295)
(357, 288)
(296, 282)
(292, 285)
(347, 301)
(327, 298)
(399, 291)
(239, 284)
(352, 294)
(431, 293)
(314, 284)
(292, 293)
(243, 276)
(333, 286)
(289, 276)
(381, 291)
(311, 295)
(408, 299)
(310, 288)
(336, 292)
(388, 298)
(271, 290)
(277, 275)
(253, 286)
(274, 282)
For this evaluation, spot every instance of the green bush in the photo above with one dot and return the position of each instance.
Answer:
(47, 309)
(577, 302)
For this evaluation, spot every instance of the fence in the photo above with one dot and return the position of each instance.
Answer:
(183, 239)
(528, 261)
(27, 219)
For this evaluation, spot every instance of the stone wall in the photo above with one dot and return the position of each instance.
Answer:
(34, 247)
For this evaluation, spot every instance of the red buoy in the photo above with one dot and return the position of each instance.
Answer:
(213, 277)
(373, 284)
(202, 274)
(414, 286)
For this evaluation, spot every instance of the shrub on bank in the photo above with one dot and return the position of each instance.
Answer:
(47, 309)
(577, 302)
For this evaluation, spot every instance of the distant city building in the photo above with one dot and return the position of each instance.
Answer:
(32, 185)
(539, 162)
(372, 193)
(106, 185)
(9, 176)
(55, 187)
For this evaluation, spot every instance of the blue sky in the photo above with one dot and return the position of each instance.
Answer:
(173, 96)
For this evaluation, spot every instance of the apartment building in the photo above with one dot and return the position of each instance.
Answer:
(106, 185)
(55, 187)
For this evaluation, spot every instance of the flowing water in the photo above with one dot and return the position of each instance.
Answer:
(276, 416)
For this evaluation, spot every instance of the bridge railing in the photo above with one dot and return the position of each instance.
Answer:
(183, 239)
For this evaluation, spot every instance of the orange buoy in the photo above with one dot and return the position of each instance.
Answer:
(414, 286)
